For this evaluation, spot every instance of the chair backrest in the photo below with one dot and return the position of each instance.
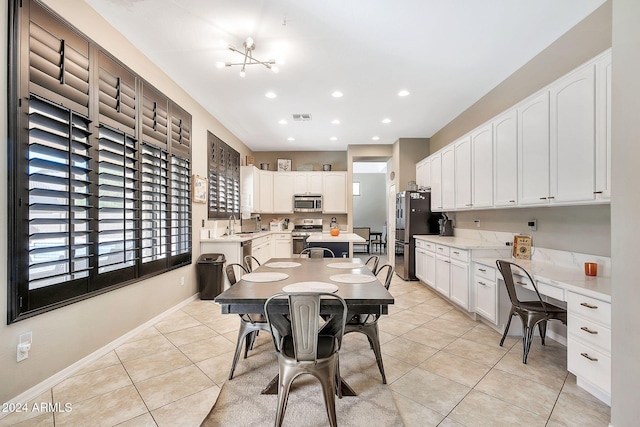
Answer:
(364, 232)
(248, 262)
(507, 275)
(231, 273)
(301, 322)
(317, 252)
(372, 263)
(387, 270)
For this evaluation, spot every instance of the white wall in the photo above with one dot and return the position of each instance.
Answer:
(370, 208)
(66, 335)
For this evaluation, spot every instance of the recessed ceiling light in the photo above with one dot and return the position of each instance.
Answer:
(333, 138)
(282, 122)
(385, 121)
(337, 94)
(270, 95)
(375, 138)
(403, 93)
(291, 138)
(335, 122)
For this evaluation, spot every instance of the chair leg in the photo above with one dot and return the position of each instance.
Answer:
(542, 327)
(242, 332)
(374, 340)
(285, 378)
(506, 328)
(328, 382)
(250, 340)
(527, 337)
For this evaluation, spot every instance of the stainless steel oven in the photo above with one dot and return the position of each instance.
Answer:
(299, 243)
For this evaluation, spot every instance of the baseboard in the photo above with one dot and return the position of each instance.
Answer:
(594, 390)
(55, 379)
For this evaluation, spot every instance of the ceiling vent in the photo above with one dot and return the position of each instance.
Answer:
(301, 117)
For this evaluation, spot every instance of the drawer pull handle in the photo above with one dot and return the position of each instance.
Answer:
(482, 269)
(551, 197)
(593, 359)
(482, 283)
(543, 198)
(457, 253)
(521, 284)
(441, 249)
(584, 304)
(584, 328)
(512, 201)
(598, 192)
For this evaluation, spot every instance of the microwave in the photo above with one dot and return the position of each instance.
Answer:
(307, 203)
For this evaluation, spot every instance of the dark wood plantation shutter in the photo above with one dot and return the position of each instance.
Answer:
(59, 203)
(58, 61)
(117, 95)
(223, 173)
(181, 227)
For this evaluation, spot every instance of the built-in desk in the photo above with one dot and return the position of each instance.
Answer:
(588, 301)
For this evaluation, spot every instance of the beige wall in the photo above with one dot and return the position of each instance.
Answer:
(410, 151)
(63, 336)
(625, 205)
(337, 159)
(584, 41)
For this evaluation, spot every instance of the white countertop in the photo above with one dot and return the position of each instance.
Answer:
(569, 278)
(460, 243)
(240, 237)
(342, 237)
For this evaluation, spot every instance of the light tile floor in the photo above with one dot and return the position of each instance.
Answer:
(443, 368)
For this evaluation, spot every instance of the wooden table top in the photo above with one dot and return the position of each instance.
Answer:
(245, 293)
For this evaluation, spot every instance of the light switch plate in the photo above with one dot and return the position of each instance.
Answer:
(24, 340)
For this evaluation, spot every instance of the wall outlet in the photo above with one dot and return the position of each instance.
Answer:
(182, 281)
(24, 345)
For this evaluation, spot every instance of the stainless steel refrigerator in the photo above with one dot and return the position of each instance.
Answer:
(413, 216)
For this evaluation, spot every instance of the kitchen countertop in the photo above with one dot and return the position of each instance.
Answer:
(568, 278)
(241, 237)
(460, 243)
(342, 237)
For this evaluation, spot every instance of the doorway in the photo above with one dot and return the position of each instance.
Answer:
(370, 205)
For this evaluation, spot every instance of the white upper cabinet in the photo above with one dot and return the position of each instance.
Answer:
(436, 182)
(334, 199)
(505, 166)
(250, 190)
(266, 191)
(462, 173)
(603, 127)
(423, 173)
(448, 178)
(283, 192)
(573, 137)
(482, 166)
(307, 182)
(533, 150)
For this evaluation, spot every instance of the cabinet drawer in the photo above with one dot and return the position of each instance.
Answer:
(480, 270)
(459, 254)
(431, 247)
(420, 243)
(282, 236)
(544, 289)
(442, 250)
(589, 363)
(260, 240)
(589, 308)
(591, 333)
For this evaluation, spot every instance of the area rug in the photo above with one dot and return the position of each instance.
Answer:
(241, 404)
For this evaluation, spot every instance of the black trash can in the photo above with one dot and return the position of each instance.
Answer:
(210, 278)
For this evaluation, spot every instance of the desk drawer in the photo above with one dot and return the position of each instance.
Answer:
(589, 363)
(589, 308)
(481, 270)
(459, 254)
(442, 250)
(592, 334)
(551, 291)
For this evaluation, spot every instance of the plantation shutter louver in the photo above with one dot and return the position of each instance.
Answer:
(59, 199)
(117, 208)
(58, 62)
(154, 117)
(154, 203)
(180, 131)
(180, 209)
(117, 95)
(223, 166)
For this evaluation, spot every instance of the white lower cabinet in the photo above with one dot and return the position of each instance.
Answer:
(459, 287)
(420, 262)
(261, 249)
(589, 343)
(443, 270)
(282, 245)
(486, 292)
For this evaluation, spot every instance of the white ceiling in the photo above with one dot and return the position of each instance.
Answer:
(446, 53)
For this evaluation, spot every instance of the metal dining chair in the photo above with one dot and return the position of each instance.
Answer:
(531, 313)
(368, 324)
(307, 345)
(250, 324)
(372, 263)
(248, 262)
(316, 253)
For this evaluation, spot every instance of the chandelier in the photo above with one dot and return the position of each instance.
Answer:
(249, 47)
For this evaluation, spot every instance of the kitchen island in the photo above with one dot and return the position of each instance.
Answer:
(341, 245)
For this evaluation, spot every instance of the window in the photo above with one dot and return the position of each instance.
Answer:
(356, 188)
(224, 178)
(100, 189)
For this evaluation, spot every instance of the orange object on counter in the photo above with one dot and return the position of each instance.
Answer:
(335, 231)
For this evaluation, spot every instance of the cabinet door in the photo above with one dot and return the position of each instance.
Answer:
(300, 182)
(283, 192)
(436, 182)
(573, 137)
(462, 173)
(423, 173)
(250, 185)
(282, 248)
(482, 167)
(315, 184)
(266, 192)
(335, 195)
(505, 169)
(603, 127)
(420, 264)
(442, 275)
(460, 284)
(486, 299)
(429, 268)
(448, 178)
(420, 173)
(533, 150)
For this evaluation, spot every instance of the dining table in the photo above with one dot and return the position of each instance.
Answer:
(348, 278)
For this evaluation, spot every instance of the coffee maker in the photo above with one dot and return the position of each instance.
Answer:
(445, 225)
